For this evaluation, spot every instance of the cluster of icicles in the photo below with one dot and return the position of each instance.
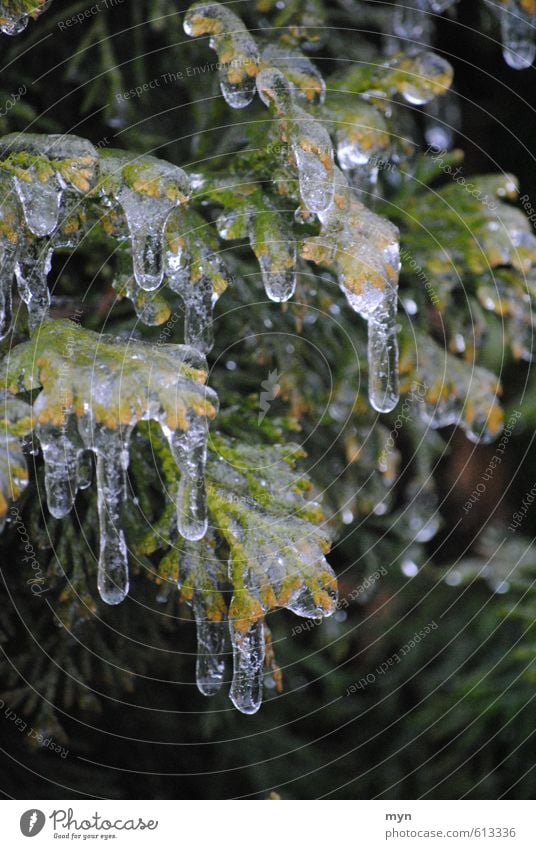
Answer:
(242, 76)
(413, 22)
(13, 23)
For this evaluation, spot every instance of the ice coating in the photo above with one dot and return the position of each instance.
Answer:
(363, 250)
(248, 662)
(456, 392)
(196, 271)
(268, 236)
(309, 140)
(210, 665)
(32, 268)
(189, 448)
(60, 449)
(236, 49)
(40, 201)
(518, 33)
(116, 383)
(108, 447)
(298, 69)
(201, 577)
(277, 559)
(147, 190)
(12, 25)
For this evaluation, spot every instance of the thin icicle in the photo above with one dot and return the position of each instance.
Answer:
(248, 663)
(210, 664)
(383, 354)
(189, 449)
(113, 577)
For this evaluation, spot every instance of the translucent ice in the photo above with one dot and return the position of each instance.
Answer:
(236, 49)
(363, 249)
(518, 31)
(248, 662)
(147, 189)
(309, 140)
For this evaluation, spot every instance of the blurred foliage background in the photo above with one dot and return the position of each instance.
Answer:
(454, 717)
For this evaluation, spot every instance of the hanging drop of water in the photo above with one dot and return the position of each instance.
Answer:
(248, 664)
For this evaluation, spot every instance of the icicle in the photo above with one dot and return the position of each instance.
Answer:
(147, 189)
(363, 247)
(189, 449)
(108, 447)
(60, 453)
(248, 662)
(309, 140)
(236, 49)
(210, 665)
(383, 355)
(276, 255)
(32, 267)
(518, 32)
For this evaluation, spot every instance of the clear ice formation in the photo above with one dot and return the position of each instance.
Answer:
(201, 571)
(147, 190)
(248, 663)
(93, 405)
(268, 237)
(13, 20)
(196, 271)
(236, 49)
(41, 181)
(309, 140)
(518, 34)
(363, 249)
